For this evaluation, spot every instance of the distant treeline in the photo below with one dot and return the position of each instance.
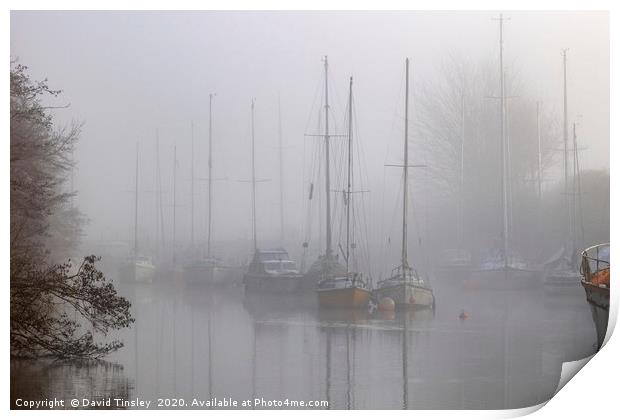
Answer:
(458, 127)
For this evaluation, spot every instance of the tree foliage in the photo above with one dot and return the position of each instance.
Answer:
(50, 300)
(46, 303)
(459, 122)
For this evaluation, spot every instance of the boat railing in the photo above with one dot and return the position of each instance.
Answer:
(408, 273)
(594, 259)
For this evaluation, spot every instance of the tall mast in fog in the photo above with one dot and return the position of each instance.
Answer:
(159, 211)
(328, 219)
(404, 263)
(192, 187)
(539, 178)
(404, 286)
(578, 207)
(503, 140)
(210, 177)
(253, 184)
(135, 215)
(349, 173)
(174, 205)
(461, 220)
(281, 171)
(567, 206)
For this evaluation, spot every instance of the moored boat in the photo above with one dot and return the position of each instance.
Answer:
(560, 275)
(454, 259)
(205, 269)
(496, 272)
(405, 286)
(139, 269)
(596, 283)
(201, 271)
(562, 272)
(348, 291)
(407, 289)
(504, 268)
(272, 271)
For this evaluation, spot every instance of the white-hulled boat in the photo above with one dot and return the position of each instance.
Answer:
(405, 286)
(139, 269)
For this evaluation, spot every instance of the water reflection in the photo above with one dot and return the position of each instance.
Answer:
(48, 379)
(197, 342)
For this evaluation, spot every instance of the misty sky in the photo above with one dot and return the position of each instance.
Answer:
(127, 74)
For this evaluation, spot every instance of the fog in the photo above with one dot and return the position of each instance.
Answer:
(130, 75)
(466, 333)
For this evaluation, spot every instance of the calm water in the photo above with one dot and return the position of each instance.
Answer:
(194, 342)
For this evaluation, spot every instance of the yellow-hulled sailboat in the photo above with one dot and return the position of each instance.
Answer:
(338, 288)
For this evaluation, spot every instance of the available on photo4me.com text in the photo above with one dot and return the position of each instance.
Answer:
(167, 403)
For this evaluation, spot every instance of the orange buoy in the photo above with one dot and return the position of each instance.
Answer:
(387, 304)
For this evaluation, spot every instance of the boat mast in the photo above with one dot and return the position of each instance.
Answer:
(159, 211)
(404, 263)
(462, 175)
(577, 180)
(253, 184)
(320, 199)
(192, 187)
(503, 139)
(281, 171)
(174, 205)
(135, 215)
(349, 174)
(328, 223)
(210, 180)
(569, 215)
(539, 150)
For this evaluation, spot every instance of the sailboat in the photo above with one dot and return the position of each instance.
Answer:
(176, 270)
(351, 289)
(202, 270)
(271, 270)
(405, 286)
(168, 267)
(562, 269)
(137, 268)
(327, 265)
(503, 267)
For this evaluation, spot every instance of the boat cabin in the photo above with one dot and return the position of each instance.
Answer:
(272, 262)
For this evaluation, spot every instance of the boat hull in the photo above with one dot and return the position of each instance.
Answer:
(350, 297)
(503, 279)
(407, 295)
(562, 282)
(230, 276)
(598, 299)
(138, 273)
(282, 284)
(199, 275)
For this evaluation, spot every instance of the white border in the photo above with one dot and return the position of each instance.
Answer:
(590, 395)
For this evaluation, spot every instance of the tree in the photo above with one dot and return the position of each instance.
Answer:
(459, 124)
(44, 225)
(43, 300)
